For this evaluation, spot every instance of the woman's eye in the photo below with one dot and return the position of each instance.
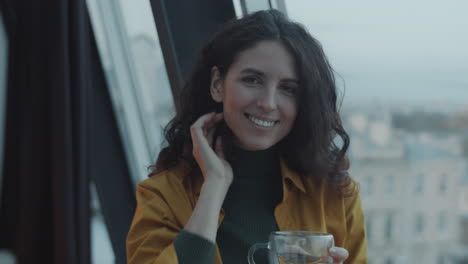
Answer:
(251, 80)
(289, 89)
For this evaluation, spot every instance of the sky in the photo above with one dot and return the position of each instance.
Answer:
(412, 51)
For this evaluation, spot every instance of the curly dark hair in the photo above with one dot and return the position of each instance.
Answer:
(310, 148)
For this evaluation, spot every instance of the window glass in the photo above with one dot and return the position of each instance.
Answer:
(131, 56)
(101, 249)
(6, 256)
(136, 76)
(243, 7)
(3, 79)
(402, 73)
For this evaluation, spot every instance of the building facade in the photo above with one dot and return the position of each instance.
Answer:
(411, 184)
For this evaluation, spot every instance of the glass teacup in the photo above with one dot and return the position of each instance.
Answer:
(296, 247)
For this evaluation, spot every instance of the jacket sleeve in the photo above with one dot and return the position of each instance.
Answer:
(153, 230)
(194, 249)
(156, 237)
(356, 240)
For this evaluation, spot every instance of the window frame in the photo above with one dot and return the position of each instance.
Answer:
(3, 92)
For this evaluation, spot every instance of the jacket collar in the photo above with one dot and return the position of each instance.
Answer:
(296, 179)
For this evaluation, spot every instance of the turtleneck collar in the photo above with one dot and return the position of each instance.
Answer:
(258, 164)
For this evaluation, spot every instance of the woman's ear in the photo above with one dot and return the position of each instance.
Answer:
(216, 85)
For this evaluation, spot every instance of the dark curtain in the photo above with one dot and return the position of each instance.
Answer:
(44, 215)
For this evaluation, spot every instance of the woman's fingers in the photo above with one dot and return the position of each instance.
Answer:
(196, 130)
(202, 130)
(210, 157)
(210, 127)
(338, 254)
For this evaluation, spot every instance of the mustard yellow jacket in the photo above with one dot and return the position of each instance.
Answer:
(165, 203)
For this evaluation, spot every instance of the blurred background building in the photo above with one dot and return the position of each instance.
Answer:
(402, 69)
(412, 179)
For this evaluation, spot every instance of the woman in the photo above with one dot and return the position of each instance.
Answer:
(250, 151)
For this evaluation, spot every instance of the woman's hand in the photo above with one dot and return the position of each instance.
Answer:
(217, 173)
(338, 254)
(212, 163)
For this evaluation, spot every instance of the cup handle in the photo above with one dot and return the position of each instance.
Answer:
(254, 248)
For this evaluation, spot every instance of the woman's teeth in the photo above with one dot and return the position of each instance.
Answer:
(261, 122)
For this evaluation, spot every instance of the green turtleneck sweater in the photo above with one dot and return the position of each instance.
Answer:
(249, 212)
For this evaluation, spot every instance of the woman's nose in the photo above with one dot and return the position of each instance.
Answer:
(267, 100)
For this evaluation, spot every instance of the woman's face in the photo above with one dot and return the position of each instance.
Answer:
(258, 95)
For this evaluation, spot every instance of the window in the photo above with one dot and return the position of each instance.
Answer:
(389, 260)
(132, 60)
(138, 85)
(404, 94)
(440, 259)
(101, 248)
(419, 185)
(389, 186)
(369, 228)
(388, 231)
(443, 184)
(250, 6)
(368, 185)
(3, 72)
(442, 222)
(419, 224)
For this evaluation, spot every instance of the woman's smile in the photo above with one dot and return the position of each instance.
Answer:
(262, 122)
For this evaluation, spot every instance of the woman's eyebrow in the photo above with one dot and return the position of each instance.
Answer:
(262, 74)
(291, 80)
(253, 70)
